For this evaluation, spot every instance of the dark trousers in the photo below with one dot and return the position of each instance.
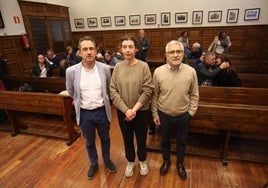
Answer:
(90, 121)
(139, 127)
(178, 125)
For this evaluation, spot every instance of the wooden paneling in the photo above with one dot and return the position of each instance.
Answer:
(251, 40)
(245, 39)
(43, 9)
(18, 59)
(32, 9)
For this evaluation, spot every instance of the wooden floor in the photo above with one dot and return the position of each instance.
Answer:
(35, 161)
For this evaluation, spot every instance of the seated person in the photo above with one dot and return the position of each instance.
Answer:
(207, 70)
(227, 77)
(199, 60)
(3, 67)
(64, 64)
(197, 51)
(220, 44)
(109, 59)
(100, 53)
(71, 57)
(51, 57)
(119, 54)
(41, 68)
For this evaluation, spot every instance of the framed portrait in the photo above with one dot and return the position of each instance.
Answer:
(150, 19)
(181, 17)
(197, 17)
(214, 16)
(252, 14)
(106, 21)
(119, 20)
(92, 22)
(79, 23)
(134, 20)
(232, 15)
(2, 25)
(165, 18)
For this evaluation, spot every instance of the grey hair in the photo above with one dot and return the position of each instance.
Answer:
(208, 54)
(174, 42)
(197, 45)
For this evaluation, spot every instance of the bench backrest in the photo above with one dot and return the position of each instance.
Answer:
(50, 84)
(36, 102)
(254, 80)
(234, 95)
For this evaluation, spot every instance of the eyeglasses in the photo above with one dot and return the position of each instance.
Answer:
(175, 51)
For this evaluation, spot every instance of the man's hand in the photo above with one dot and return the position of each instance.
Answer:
(224, 65)
(156, 121)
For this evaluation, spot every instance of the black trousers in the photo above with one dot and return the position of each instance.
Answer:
(178, 125)
(138, 127)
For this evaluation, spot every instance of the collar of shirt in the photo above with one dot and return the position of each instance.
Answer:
(171, 69)
(91, 70)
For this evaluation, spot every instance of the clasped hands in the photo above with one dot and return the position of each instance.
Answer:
(130, 114)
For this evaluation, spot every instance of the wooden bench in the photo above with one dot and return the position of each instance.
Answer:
(49, 84)
(245, 66)
(229, 110)
(43, 103)
(254, 80)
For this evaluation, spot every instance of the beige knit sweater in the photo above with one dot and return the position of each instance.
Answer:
(175, 92)
(131, 84)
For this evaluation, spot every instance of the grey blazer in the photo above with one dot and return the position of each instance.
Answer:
(73, 77)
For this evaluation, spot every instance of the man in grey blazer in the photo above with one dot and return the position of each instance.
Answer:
(88, 83)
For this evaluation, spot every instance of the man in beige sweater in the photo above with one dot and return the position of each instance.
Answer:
(174, 102)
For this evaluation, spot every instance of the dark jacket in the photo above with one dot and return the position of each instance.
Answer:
(36, 71)
(203, 73)
(142, 54)
(227, 78)
(73, 59)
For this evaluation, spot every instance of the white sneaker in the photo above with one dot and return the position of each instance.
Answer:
(129, 169)
(144, 168)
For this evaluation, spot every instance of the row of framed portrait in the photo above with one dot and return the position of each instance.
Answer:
(180, 17)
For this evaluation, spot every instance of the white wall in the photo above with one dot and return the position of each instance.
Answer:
(101, 8)
(11, 8)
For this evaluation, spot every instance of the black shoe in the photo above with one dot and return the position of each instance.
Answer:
(181, 171)
(92, 172)
(164, 168)
(111, 166)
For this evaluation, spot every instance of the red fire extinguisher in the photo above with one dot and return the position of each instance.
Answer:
(25, 42)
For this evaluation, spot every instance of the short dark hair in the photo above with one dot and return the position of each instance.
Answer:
(50, 50)
(183, 32)
(85, 38)
(129, 38)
